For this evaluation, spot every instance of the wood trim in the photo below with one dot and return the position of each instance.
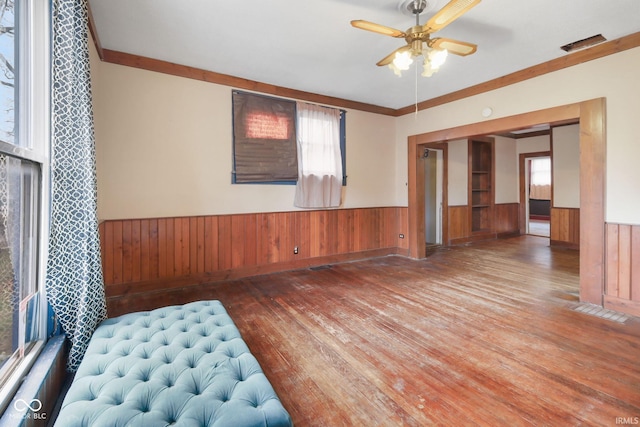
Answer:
(445, 188)
(523, 184)
(592, 201)
(178, 70)
(612, 47)
(415, 187)
(615, 46)
(591, 116)
(555, 115)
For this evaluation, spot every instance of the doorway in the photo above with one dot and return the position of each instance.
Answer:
(436, 233)
(591, 117)
(433, 193)
(536, 184)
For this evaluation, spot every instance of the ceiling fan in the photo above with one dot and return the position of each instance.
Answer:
(418, 37)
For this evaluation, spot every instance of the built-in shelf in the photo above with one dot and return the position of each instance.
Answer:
(481, 182)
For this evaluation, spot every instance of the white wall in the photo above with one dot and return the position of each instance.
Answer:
(613, 77)
(164, 148)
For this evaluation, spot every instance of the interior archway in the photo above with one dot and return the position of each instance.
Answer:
(591, 115)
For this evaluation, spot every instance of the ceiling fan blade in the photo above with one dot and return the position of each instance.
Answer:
(389, 58)
(453, 46)
(377, 28)
(452, 11)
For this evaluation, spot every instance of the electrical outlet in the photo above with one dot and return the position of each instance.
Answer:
(295, 250)
(401, 236)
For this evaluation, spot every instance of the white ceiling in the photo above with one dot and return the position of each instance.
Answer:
(311, 46)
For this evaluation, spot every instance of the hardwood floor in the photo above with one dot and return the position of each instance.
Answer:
(538, 227)
(484, 334)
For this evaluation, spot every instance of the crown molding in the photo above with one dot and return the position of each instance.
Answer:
(569, 60)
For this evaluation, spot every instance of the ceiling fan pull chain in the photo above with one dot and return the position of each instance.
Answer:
(416, 78)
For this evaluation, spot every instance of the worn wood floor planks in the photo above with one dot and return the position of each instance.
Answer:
(483, 334)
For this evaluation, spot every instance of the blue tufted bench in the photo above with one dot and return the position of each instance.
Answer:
(181, 365)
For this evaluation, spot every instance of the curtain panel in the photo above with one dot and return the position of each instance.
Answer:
(319, 158)
(74, 283)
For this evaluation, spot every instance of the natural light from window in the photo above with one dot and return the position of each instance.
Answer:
(24, 127)
(267, 126)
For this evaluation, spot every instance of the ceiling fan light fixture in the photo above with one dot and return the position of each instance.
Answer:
(395, 69)
(427, 69)
(437, 57)
(418, 37)
(403, 60)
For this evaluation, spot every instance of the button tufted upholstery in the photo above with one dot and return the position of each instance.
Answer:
(181, 365)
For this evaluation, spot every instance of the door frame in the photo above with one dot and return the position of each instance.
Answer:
(442, 146)
(523, 188)
(591, 115)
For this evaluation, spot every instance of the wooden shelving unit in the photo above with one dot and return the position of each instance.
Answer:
(481, 185)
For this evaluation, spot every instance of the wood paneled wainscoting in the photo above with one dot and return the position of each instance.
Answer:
(506, 222)
(622, 290)
(140, 256)
(565, 227)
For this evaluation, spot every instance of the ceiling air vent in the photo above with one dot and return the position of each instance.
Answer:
(581, 44)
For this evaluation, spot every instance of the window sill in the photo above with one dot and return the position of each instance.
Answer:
(43, 372)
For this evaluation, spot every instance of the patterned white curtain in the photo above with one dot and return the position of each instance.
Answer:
(319, 159)
(75, 286)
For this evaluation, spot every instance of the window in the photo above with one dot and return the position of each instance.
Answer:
(24, 119)
(540, 181)
(264, 140)
(264, 136)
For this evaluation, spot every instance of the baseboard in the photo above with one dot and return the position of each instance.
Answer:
(622, 305)
(508, 234)
(121, 297)
(565, 245)
(540, 217)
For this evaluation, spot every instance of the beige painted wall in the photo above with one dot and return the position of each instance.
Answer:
(164, 148)
(506, 168)
(533, 144)
(458, 171)
(613, 77)
(163, 143)
(566, 166)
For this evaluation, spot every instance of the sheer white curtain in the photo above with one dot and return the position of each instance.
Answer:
(319, 158)
(540, 179)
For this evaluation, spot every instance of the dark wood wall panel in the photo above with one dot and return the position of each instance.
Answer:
(506, 221)
(507, 218)
(144, 254)
(565, 227)
(622, 289)
(459, 225)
